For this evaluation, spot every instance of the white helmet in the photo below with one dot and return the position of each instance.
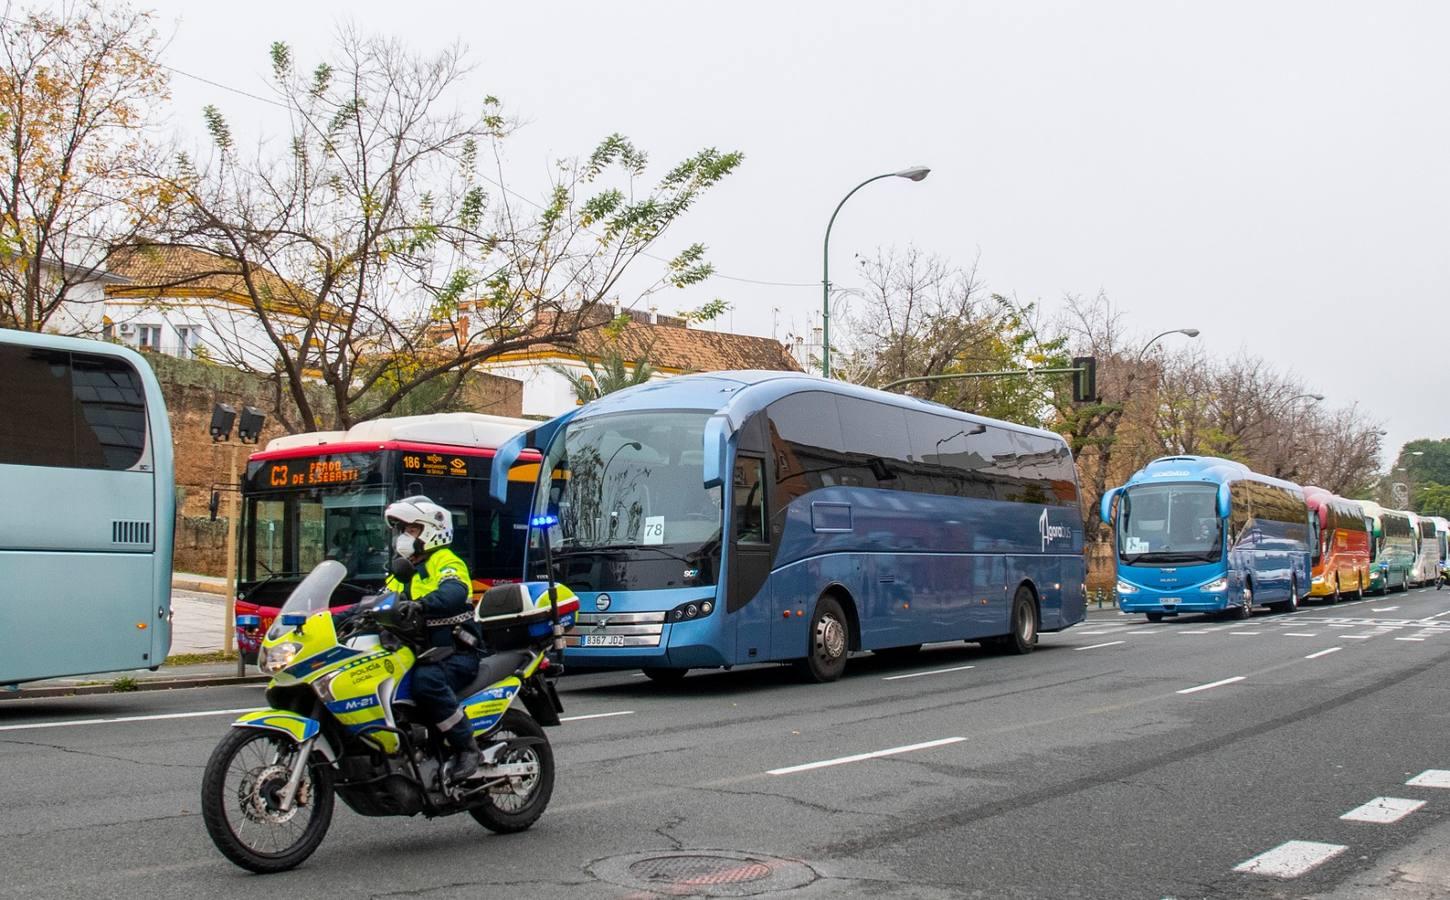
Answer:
(437, 525)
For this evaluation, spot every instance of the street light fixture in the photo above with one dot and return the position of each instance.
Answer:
(1190, 332)
(914, 173)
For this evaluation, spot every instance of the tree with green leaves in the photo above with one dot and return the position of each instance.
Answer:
(609, 373)
(401, 262)
(80, 86)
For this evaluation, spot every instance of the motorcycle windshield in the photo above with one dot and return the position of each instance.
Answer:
(312, 594)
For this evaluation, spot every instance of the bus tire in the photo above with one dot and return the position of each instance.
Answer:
(1155, 617)
(827, 643)
(1335, 597)
(1023, 636)
(664, 676)
(1246, 611)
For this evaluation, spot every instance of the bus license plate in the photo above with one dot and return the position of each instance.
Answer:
(1170, 601)
(602, 640)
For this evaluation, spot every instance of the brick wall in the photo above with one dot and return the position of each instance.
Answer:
(191, 387)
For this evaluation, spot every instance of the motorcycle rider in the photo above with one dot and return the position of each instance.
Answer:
(430, 574)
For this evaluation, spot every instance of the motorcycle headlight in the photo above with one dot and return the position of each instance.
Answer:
(1126, 588)
(1218, 584)
(276, 658)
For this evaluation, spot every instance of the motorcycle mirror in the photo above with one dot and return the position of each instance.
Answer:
(401, 569)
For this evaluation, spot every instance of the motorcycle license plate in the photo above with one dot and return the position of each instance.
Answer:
(602, 640)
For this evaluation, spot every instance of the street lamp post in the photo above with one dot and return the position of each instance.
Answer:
(1191, 332)
(915, 173)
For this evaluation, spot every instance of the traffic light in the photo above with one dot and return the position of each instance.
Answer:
(1085, 380)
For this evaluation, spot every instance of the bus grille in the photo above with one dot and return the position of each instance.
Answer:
(123, 532)
(618, 630)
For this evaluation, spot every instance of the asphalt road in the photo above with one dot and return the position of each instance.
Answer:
(1122, 759)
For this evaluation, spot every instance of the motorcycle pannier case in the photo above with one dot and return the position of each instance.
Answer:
(515, 616)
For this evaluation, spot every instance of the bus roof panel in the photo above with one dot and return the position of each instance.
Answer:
(452, 429)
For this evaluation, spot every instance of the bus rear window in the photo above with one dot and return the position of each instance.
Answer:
(72, 410)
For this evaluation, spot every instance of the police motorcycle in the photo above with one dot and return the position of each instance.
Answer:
(340, 722)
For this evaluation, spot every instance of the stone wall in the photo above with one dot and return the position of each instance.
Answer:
(191, 388)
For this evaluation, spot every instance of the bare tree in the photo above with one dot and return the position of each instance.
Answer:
(79, 86)
(376, 258)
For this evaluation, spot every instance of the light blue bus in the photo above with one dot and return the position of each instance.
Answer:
(740, 517)
(86, 539)
(1207, 535)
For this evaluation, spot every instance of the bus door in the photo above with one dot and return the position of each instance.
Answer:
(747, 590)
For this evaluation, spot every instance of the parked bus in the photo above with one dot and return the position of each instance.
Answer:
(1394, 549)
(321, 495)
(1442, 540)
(1426, 566)
(743, 517)
(86, 539)
(1340, 538)
(1201, 534)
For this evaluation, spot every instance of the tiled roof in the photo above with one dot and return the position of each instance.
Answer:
(677, 348)
(187, 271)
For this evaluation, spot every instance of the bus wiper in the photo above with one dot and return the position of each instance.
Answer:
(617, 549)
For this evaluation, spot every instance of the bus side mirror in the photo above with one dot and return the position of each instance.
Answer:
(717, 446)
(1105, 508)
(1225, 505)
(213, 504)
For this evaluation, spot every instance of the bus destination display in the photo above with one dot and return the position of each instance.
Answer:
(435, 464)
(310, 473)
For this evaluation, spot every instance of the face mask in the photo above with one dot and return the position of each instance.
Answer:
(406, 545)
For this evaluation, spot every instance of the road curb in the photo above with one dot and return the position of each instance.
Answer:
(156, 684)
(199, 585)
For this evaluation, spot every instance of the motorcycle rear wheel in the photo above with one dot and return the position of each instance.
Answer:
(511, 812)
(238, 793)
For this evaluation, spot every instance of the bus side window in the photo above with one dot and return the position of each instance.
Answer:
(748, 490)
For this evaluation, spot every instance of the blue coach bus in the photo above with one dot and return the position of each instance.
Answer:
(86, 539)
(741, 517)
(1201, 534)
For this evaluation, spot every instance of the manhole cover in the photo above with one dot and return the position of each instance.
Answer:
(703, 873)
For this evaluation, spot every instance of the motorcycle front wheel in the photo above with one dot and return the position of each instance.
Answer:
(240, 793)
(518, 803)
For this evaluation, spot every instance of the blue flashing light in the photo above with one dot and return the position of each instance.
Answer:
(245, 621)
(543, 521)
(292, 620)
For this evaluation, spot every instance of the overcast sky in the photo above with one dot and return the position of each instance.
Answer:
(1272, 173)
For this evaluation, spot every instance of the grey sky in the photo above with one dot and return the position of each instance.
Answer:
(1274, 174)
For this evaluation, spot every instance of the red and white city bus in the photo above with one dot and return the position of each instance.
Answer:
(321, 495)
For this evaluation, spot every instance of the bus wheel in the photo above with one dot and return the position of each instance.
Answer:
(664, 676)
(1023, 638)
(1155, 617)
(1335, 597)
(828, 642)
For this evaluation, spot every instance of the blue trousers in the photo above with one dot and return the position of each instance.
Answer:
(434, 686)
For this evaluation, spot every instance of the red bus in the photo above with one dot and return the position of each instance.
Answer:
(1342, 546)
(321, 495)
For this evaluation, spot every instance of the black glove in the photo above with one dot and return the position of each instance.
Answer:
(409, 616)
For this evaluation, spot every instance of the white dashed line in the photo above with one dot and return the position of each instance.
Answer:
(1214, 684)
(1197, 631)
(1301, 634)
(1409, 639)
(1435, 778)
(1146, 631)
(1357, 637)
(1291, 859)
(1096, 646)
(622, 712)
(1246, 633)
(840, 761)
(1383, 608)
(154, 718)
(1324, 652)
(1383, 810)
(1338, 625)
(923, 674)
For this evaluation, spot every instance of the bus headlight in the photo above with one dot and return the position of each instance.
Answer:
(1318, 579)
(697, 609)
(1125, 588)
(1218, 584)
(275, 659)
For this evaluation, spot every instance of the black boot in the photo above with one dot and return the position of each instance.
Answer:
(465, 751)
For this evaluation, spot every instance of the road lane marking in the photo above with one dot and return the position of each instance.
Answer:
(1214, 684)
(71, 723)
(1246, 632)
(1324, 652)
(1291, 859)
(1301, 634)
(1338, 625)
(622, 712)
(1096, 646)
(1435, 778)
(1383, 810)
(1383, 608)
(1197, 631)
(1104, 631)
(1409, 639)
(932, 672)
(840, 761)
(1146, 631)
(1357, 637)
